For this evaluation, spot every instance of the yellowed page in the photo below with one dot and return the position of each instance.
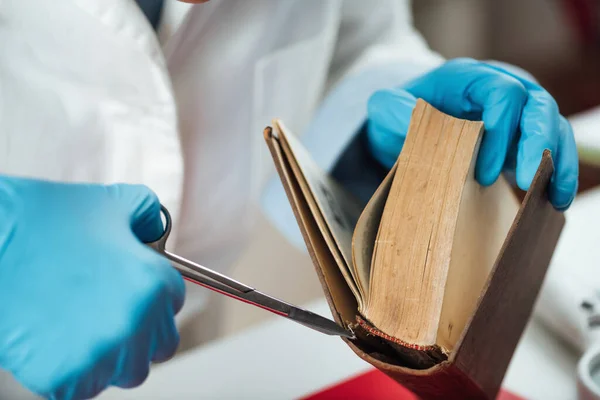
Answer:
(335, 211)
(365, 232)
(485, 217)
(413, 248)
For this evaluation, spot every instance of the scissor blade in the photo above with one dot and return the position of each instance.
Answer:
(269, 303)
(202, 272)
(319, 323)
(297, 314)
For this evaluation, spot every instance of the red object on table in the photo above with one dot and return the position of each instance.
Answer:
(375, 385)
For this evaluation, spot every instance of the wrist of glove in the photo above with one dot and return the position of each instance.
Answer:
(84, 303)
(521, 120)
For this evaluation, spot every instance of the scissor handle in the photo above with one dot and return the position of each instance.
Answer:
(160, 243)
(195, 272)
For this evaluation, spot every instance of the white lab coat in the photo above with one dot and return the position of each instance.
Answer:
(88, 93)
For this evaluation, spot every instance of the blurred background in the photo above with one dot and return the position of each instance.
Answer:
(558, 41)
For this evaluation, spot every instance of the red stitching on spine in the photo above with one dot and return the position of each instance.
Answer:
(365, 325)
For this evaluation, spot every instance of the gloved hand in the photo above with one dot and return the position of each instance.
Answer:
(83, 303)
(521, 120)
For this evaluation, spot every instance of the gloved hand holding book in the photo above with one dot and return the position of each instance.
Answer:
(521, 120)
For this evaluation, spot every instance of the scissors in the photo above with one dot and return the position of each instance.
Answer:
(220, 283)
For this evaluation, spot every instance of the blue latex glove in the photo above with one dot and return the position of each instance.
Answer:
(521, 120)
(83, 303)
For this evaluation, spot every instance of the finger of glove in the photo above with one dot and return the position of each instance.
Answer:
(502, 98)
(565, 180)
(167, 339)
(90, 380)
(445, 88)
(145, 218)
(522, 76)
(147, 337)
(143, 208)
(465, 87)
(134, 361)
(84, 388)
(540, 130)
(564, 184)
(166, 282)
(388, 113)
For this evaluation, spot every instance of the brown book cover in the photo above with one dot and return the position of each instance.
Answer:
(475, 366)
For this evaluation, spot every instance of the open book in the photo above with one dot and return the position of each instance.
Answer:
(408, 272)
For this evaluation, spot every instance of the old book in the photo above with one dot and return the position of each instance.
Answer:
(413, 271)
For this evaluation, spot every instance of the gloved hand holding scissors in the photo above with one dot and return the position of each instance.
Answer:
(84, 304)
(521, 120)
